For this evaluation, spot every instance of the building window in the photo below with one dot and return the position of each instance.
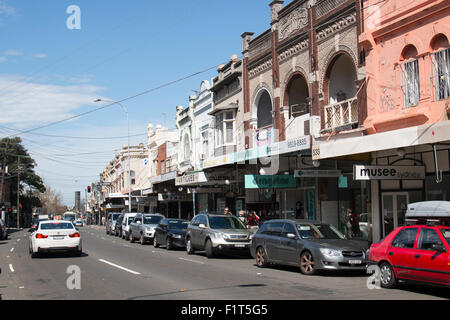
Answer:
(225, 128)
(163, 167)
(441, 73)
(187, 148)
(410, 69)
(133, 177)
(205, 144)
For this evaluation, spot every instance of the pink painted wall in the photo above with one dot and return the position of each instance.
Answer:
(389, 27)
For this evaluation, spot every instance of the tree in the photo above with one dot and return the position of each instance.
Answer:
(51, 201)
(20, 163)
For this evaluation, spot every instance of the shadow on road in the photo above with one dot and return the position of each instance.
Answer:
(334, 274)
(440, 292)
(60, 255)
(253, 285)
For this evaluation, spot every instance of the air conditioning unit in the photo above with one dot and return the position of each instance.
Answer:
(315, 125)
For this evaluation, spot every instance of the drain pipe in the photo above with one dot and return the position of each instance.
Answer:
(438, 173)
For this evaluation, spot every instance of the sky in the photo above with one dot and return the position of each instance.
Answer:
(49, 72)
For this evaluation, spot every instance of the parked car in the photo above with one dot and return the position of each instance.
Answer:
(413, 253)
(143, 227)
(118, 228)
(55, 236)
(78, 223)
(310, 245)
(171, 233)
(127, 220)
(3, 231)
(111, 222)
(217, 233)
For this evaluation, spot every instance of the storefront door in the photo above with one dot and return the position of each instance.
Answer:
(394, 209)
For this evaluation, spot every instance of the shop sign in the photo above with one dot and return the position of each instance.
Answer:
(317, 173)
(268, 181)
(174, 197)
(361, 172)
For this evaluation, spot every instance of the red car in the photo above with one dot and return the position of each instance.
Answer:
(414, 253)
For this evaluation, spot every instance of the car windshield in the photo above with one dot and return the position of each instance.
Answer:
(130, 219)
(318, 231)
(446, 234)
(226, 223)
(152, 220)
(56, 226)
(115, 216)
(177, 224)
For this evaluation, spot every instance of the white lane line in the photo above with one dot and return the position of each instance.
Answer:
(12, 250)
(11, 268)
(191, 260)
(103, 238)
(18, 240)
(119, 267)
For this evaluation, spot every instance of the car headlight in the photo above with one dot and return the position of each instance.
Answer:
(221, 235)
(178, 236)
(330, 252)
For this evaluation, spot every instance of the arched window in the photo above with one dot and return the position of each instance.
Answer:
(441, 67)
(298, 96)
(187, 148)
(410, 70)
(264, 110)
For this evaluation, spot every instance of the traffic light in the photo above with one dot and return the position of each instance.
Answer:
(89, 189)
(9, 210)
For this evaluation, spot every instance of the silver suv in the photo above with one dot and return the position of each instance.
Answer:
(143, 227)
(217, 233)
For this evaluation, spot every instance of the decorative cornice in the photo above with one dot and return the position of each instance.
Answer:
(267, 64)
(293, 50)
(336, 27)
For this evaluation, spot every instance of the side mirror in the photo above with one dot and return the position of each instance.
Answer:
(138, 222)
(201, 225)
(438, 247)
(291, 236)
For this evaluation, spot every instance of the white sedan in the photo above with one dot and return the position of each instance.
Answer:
(55, 236)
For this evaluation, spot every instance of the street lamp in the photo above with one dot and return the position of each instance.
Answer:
(129, 157)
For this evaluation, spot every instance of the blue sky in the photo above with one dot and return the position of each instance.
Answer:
(48, 72)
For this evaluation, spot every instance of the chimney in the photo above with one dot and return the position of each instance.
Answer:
(246, 38)
(275, 7)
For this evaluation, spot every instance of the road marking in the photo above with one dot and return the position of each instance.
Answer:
(18, 240)
(21, 287)
(103, 238)
(119, 267)
(127, 246)
(11, 268)
(12, 250)
(191, 260)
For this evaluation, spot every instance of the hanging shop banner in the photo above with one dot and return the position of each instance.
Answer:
(267, 182)
(317, 173)
(388, 172)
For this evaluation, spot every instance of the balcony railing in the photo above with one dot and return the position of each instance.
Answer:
(344, 113)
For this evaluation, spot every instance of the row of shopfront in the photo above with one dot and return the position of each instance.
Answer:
(283, 181)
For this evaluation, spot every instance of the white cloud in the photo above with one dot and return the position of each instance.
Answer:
(40, 55)
(13, 53)
(6, 9)
(29, 104)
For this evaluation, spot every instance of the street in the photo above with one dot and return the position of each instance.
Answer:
(114, 269)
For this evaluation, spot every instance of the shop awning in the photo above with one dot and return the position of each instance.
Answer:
(407, 137)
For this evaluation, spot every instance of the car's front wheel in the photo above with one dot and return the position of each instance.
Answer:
(189, 247)
(131, 237)
(155, 243)
(142, 240)
(307, 265)
(209, 249)
(169, 244)
(261, 260)
(387, 276)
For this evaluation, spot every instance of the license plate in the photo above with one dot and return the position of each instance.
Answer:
(239, 245)
(58, 237)
(355, 262)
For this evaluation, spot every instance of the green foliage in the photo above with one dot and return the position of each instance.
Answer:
(11, 149)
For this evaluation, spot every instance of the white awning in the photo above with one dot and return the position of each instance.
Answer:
(337, 146)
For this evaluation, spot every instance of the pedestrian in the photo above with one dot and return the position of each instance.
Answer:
(227, 211)
(299, 212)
(242, 217)
(103, 220)
(253, 219)
(347, 220)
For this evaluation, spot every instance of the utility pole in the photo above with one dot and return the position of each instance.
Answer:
(3, 171)
(18, 192)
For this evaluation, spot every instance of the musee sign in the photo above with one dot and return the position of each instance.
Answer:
(388, 172)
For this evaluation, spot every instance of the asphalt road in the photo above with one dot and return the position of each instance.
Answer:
(115, 269)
